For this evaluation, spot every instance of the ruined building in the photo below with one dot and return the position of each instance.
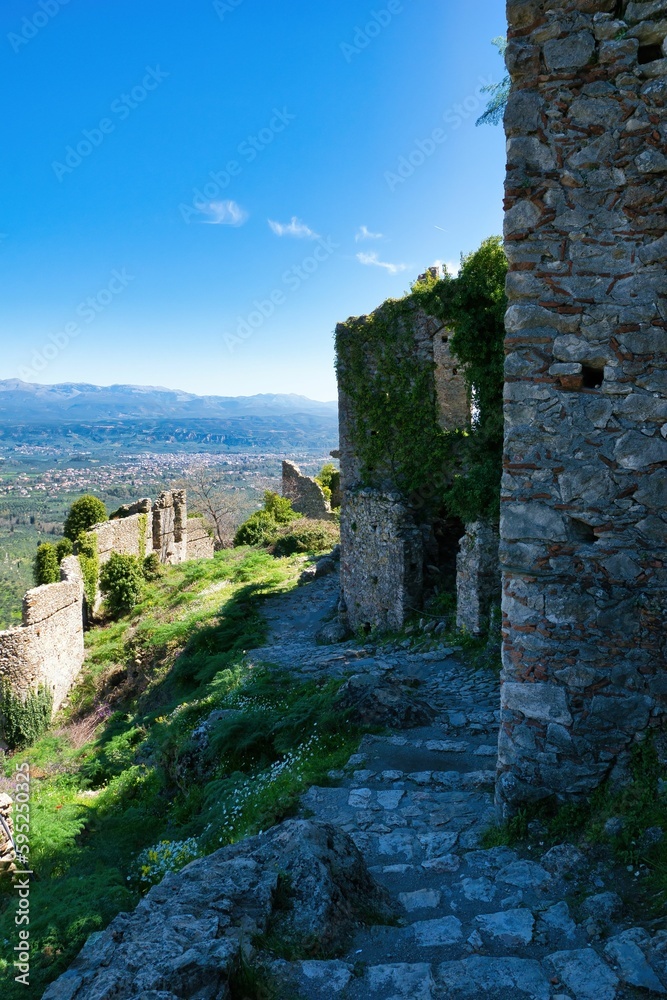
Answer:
(305, 494)
(584, 532)
(396, 544)
(47, 649)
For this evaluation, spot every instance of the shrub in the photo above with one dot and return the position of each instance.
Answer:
(86, 549)
(279, 508)
(25, 719)
(262, 527)
(329, 480)
(64, 548)
(120, 582)
(83, 514)
(45, 567)
(307, 536)
(151, 567)
(259, 529)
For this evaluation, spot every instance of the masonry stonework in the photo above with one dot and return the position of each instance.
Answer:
(305, 494)
(389, 551)
(477, 577)
(584, 531)
(47, 649)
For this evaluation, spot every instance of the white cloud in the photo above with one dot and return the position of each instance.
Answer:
(372, 260)
(364, 233)
(295, 228)
(223, 213)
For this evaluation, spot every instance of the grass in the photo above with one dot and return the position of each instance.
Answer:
(641, 805)
(124, 769)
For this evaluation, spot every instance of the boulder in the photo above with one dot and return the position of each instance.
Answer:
(303, 881)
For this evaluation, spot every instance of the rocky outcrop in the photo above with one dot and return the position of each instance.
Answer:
(304, 881)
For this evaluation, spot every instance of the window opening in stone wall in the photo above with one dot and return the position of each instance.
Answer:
(592, 377)
(582, 532)
(649, 53)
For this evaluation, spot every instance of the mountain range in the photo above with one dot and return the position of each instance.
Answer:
(25, 402)
(138, 418)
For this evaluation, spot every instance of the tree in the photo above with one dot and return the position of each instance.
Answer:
(64, 548)
(120, 582)
(45, 567)
(83, 514)
(220, 506)
(500, 92)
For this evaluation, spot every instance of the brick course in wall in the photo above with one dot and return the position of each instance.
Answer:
(584, 531)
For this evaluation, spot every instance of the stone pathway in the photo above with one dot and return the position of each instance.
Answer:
(473, 923)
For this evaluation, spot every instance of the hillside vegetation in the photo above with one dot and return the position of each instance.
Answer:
(169, 746)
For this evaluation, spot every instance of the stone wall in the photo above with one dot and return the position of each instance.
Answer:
(477, 577)
(305, 494)
(584, 531)
(170, 537)
(389, 550)
(163, 527)
(47, 649)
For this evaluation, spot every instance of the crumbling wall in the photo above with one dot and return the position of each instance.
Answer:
(170, 536)
(47, 649)
(129, 535)
(584, 531)
(387, 538)
(305, 494)
(477, 577)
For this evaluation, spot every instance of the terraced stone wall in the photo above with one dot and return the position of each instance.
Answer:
(584, 529)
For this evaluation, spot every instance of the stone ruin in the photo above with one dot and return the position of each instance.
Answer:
(305, 494)
(584, 530)
(391, 554)
(47, 649)
(584, 533)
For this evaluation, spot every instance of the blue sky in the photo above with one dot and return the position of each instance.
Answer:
(194, 193)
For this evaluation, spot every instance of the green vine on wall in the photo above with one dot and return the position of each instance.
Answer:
(394, 417)
(86, 549)
(143, 528)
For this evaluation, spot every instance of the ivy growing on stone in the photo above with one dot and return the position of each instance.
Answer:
(395, 429)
